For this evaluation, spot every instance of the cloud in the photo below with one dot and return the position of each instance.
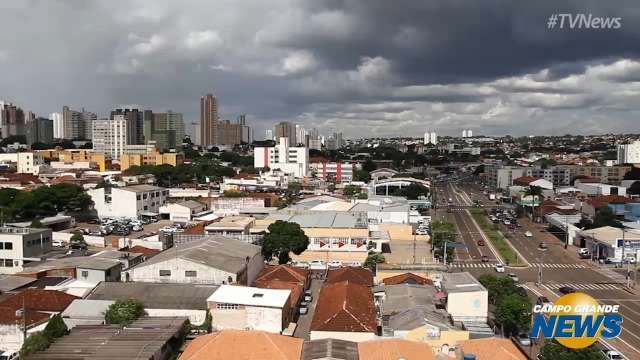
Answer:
(197, 40)
(298, 62)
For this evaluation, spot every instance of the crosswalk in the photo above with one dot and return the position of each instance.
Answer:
(553, 287)
(559, 266)
(535, 265)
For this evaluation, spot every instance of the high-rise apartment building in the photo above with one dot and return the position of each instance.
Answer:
(110, 136)
(268, 134)
(247, 131)
(285, 129)
(430, 137)
(629, 153)
(135, 124)
(12, 120)
(208, 120)
(293, 161)
(469, 133)
(58, 125)
(77, 124)
(229, 133)
(39, 130)
(166, 129)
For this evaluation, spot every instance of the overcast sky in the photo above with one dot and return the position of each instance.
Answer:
(366, 67)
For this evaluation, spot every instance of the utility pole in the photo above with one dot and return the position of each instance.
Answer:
(566, 231)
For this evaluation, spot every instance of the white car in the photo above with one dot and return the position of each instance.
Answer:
(499, 268)
(317, 265)
(57, 243)
(9, 355)
(355, 264)
(612, 355)
(528, 234)
(335, 263)
(300, 264)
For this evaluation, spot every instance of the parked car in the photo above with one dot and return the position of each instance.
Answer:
(317, 265)
(308, 298)
(57, 243)
(355, 264)
(612, 355)
(485, 258)
(499, 268)
(543, 300)
(335, 263)
(303, 310)
(543, 246)
(584, 253)
(566, 290)
(524, 339)
(300, 264)
(513, 277)
(10, 355)
(613, 261)
(528, 233)
(480, 242)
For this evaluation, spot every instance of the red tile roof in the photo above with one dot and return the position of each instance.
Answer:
(407, 278)
(604, 200)
(8, 316)
(39, 300)
(285, 273)
(525, 180)
(144, 251)
(243, 345)
(345, 306)
(296, 289)
(360, 276)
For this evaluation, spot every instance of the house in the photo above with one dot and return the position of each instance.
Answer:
(243, 345)
(160, 299)
(39, 306)
(616, 203)
(597, 189)
(20, 246)
(330, 349)
(394, 349)
(210, 260)
(493, 348)
(407, 278)
(243, 307)
(130, 201)
(230, 225)
(144, 339)
(184, 211)
(285, 277)
(467, 299)
(126, 258)
(360, 276)
(344, 311)
(86, 268)
(85, 312)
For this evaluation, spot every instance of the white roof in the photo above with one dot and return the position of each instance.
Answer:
(245, 295)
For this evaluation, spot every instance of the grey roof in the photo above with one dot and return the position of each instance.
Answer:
(409, 306)
(333, 349)
(115, 254)
(83, 309)
(215, 251)
(156, 295)
(143, 339)
(140, 188)
(461, 282)
(326, 219)
(84, 262)
(192, 204)
(13, 282)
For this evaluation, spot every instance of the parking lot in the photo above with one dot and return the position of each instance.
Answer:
(147, 229)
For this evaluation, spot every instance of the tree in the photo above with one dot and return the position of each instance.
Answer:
(369, 166)
(605, 217)
(36, 342)
(284, 237)
(124, 312)
(56, 327)
(443, 231)
(36, 224)
(77, 238)
(553, 350)
(294, 186)
(373, 260)
(513, 313)
(633, 174)
(497, 286)
(234, 194)
(362, 175)
(351, 191)
(413, 191)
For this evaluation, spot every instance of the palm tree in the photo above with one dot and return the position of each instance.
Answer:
(536, 193)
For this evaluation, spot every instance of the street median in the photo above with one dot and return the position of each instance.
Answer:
(507, 252)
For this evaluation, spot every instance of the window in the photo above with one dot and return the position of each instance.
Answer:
(1, 245)
(190, 273)
(165, 272)
(85, 274)
(144, 196)
(224, 306)
(138, 197)
(8, 263)
(146, 207)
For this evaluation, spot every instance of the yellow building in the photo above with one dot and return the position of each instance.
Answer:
(72, 155)
(153, 158)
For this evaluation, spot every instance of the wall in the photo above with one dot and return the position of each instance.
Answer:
(472, 304)
(196, 317)
(343, 335)
(205, 274)
(228, 319)
(97, 241)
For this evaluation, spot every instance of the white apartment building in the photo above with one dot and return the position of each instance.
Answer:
(501, 177)
(129, 202)
(58, 125)
(291, 160)
(110, 136)
(26, 162)
(21, 245)
(333, 171)
(431, 138)
(629, 153)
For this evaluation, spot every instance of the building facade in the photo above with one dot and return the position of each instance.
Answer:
(22, 245)
(629, 153)
(291, 160)
(333, 171)
(39, 130)
(287, 130)
(58, 125)
(12, 120)
(229, 133)
(77, 124)
(135, 124)
(110, 137)
(208, 120)
(165, 129)
(129, 202)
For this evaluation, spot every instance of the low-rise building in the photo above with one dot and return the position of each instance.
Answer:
(183, 211)
(20, 246)
(230, 225)
(338, 172)
(224, 345)
(25, 162)
(129, 201)
(202, 259)
(609, 242)
(151, 158)
(467, 299)
(250, 308)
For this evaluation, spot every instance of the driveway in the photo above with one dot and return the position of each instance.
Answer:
(304, 321)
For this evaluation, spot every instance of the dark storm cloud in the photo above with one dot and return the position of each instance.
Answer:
(487, 65)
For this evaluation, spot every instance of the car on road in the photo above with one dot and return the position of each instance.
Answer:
(584, 253)
(355, 264)
(513, 277)
(480, 242)
(543, 300)
(499, 268)
(57, 243)
(317, 265)
(300, 264)
(9, 355)
(524, 339)
(308, 298)
(613, 261)
(484, 258)
(566, 290)
(528, 233)
(612, 355)
(543, 246)
(630, 260)
(506, 222)
(303, 310)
